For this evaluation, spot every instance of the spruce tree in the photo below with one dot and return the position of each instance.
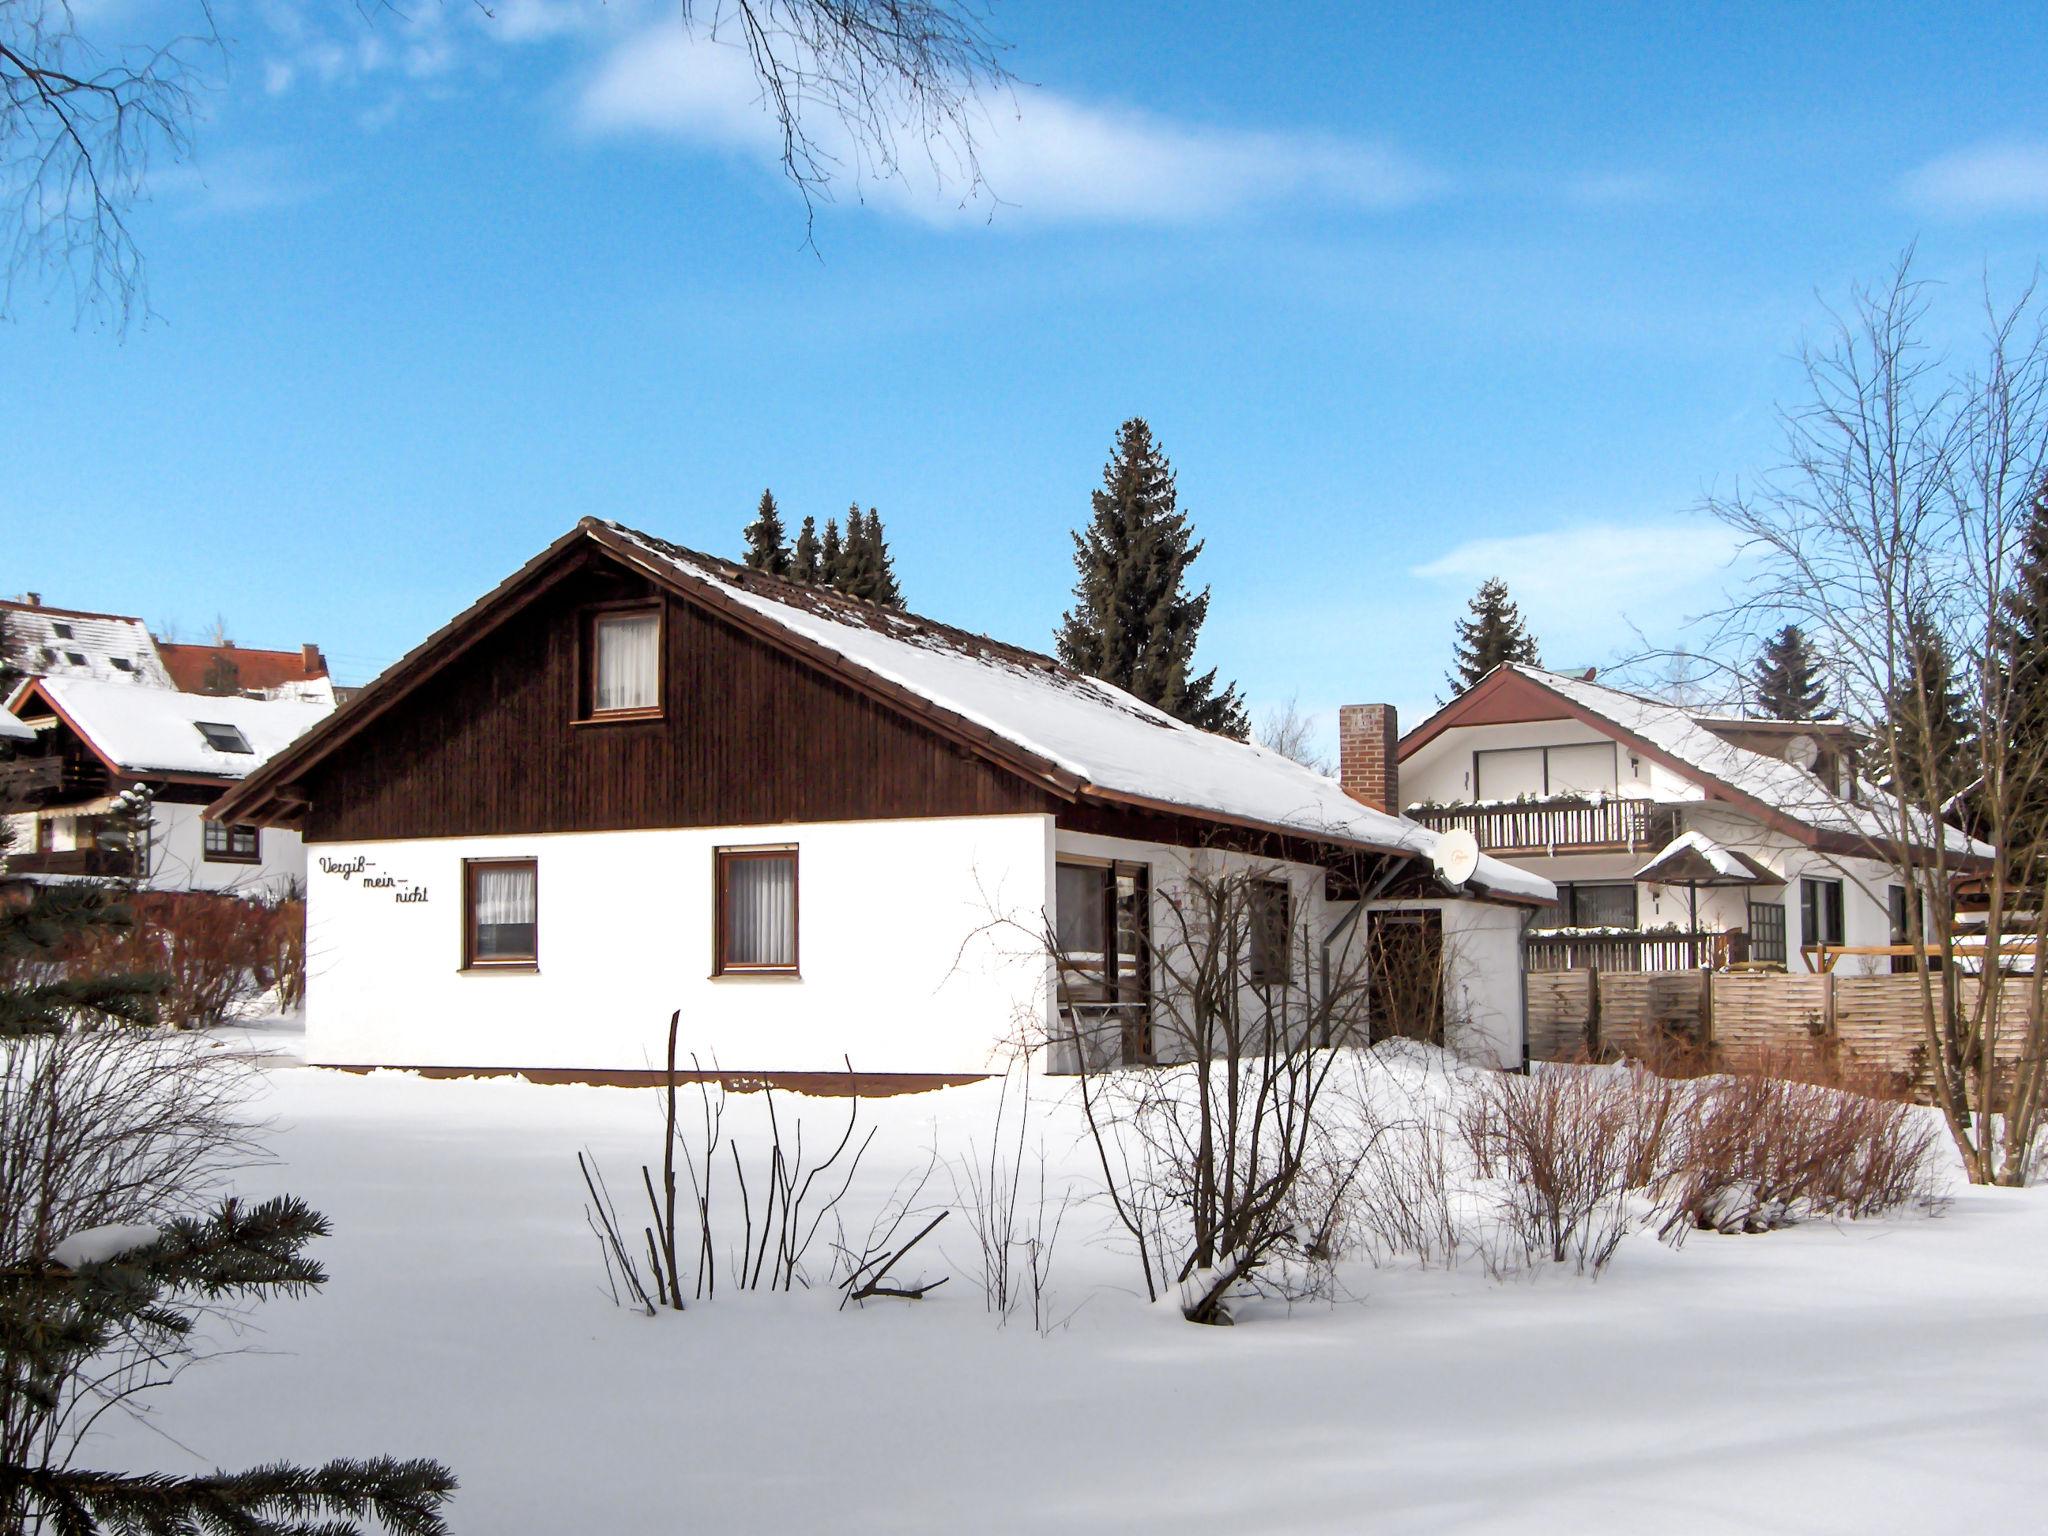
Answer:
(1928, 715)
(1134, 623)
(1492, 635)
(831, 556)
(2020, 645)
(882, 587)
(767, 543)
(856, 558)
(1788, 678)
(112, 1303)
(803, 560)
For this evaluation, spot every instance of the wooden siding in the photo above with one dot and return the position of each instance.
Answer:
(748, 735)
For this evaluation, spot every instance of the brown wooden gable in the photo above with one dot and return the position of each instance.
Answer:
(748, 733)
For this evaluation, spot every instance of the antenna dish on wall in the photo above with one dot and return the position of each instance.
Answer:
(1456, 856)
(1802, 751)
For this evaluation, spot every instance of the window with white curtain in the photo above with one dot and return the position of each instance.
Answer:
(502, 916)
(625, 663)
(756, 909)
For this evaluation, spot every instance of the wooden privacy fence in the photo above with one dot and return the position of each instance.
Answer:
(1872, 1023)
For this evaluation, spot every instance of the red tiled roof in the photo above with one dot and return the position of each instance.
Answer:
(190, 664)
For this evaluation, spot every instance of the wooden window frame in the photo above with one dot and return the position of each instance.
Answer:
(227, 854)
(470, 960)
(587, 712)
(721, 858)
(1809, 886)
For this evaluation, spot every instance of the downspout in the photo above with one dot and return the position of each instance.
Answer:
(1529, 916)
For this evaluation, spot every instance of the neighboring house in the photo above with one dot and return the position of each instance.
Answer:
(634, 779)
(70, 642)
(230, 668)
(1676, 837)
(90, 740)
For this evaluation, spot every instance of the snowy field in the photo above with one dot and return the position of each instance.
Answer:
(1889, 1375)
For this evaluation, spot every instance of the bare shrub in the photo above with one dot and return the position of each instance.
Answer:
(103, 1128)
(214, 951)
(1564, 1147)
(283, 964)
(1791, 1138)
(1015, 1235)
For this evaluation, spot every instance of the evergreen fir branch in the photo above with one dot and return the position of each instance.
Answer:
(48, 1008)
(404, 1497)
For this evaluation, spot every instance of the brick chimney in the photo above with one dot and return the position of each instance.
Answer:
(1368, 736)
(314, 664)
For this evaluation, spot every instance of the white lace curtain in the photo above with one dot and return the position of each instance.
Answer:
(760, 911)
(627, 661)
(505, 916)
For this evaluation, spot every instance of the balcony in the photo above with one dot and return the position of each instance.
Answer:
(105, 863)
(1541, 828)
(30, 779)
(1612, 949)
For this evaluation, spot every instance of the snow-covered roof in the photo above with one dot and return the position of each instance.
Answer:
(1695, 856)
(157, 730)
(65, 642)
(1684, 735)
(1100, 734)
(12, 729)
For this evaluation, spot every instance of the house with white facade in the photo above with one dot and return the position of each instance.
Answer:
(1676, 837)
(75, 743)
(635, 780)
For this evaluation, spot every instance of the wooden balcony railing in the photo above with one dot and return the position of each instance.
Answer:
(1659, 950)
(108, 863)
(1540, 827)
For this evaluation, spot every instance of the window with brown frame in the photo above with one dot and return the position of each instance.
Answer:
(1271, 914)
(224, 842)
(756, 906)
(500, 914)
(622, 662)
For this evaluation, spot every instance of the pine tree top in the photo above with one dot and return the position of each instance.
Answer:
(767, 542)
(1787, 678)
(1492, 634)
(1134, 622)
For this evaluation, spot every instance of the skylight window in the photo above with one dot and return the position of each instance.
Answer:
(76, 658)
(122, 664)
(61, 631)
(224, 738)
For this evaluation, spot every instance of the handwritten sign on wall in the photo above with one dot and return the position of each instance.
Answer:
(365, 873)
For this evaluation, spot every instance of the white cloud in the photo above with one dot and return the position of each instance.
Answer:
(1608, 564)
(1044, 157)
(2010, 176)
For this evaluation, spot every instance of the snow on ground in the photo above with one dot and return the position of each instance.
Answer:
(1877, 1376)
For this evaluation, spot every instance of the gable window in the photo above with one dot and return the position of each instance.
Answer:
(1508, 773)
(756, 911)
(500, 914)
(1820, 912)
(1272, 928)
(231, 843)
(624, 678)
(223, 738)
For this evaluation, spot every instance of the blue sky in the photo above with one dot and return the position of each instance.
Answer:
(1410, 297)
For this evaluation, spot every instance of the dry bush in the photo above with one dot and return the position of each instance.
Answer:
(1791, 1137)
(215, 951)
(1565, 1147)
(283, 966)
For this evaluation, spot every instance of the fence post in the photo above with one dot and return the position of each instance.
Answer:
(1706, 1015)
(1830, 1046)
(1593, 1044)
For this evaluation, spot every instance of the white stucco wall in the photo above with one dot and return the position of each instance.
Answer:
(178, 862)
(1482, 941)
(177, 852)
(893, 971)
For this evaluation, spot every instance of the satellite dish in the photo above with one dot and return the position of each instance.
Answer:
(1802, 751)
(1457, 856)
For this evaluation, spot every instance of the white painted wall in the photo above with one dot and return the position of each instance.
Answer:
(177, 852)
(1482, 941)
(178, 862)
(1441, 770)
(896, 970)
